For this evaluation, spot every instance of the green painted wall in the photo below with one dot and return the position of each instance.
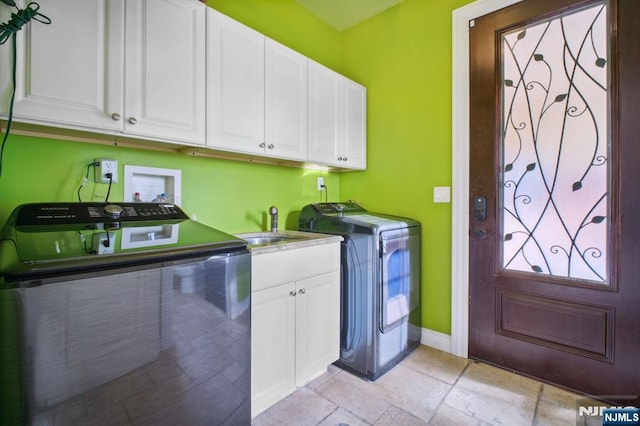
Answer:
(403, 57)
(232, 196)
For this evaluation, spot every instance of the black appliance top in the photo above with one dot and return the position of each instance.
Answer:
(46, 238)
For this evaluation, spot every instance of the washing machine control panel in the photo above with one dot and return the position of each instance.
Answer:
(72, 213)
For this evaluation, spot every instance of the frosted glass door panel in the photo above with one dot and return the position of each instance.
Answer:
(555, 146)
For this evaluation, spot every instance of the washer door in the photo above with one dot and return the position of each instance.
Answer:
(400, 272)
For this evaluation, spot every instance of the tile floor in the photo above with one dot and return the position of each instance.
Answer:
(428, 387)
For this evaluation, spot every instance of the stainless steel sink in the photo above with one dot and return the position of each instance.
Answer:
(265, 240)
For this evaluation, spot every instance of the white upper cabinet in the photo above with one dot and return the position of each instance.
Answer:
(286, 102)
(69, 72)
(354, 144)
(180, 72)
(235, 85)
(165, 69)
(256, 91)
(337, 119)
(72, 73)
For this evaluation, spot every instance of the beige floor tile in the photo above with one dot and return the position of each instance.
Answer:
(303, 407)
(495, 396)
(394, 416)
(412, 391)
(559, 396)
(435, 363)
(571, 401)
(447, 416)
(343, 417)
(549, 414)
(355, 395)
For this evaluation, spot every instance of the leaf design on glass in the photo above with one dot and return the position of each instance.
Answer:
(508, 237)
(508, 167)
(577, 186)
(522, 34)
(561, 98)
(536, 268)
(538, 57)
(597, 219)
(601, 62)
(531, 166)
(508, 83)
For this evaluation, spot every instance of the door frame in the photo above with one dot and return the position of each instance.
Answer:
(460, 169)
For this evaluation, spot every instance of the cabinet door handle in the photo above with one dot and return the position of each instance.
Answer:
(292, 293)
(302, 291)
(271, 146)
(115, 116)
(262, 145)
(344, 159)
(339, 158)
(132, 120)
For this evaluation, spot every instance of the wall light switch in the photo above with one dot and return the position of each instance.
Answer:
(441, 194)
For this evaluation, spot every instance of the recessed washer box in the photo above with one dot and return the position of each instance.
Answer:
(150, 182)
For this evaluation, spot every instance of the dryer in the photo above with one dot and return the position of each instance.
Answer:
(380, 284)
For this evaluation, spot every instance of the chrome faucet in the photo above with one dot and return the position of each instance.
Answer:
(273, 211)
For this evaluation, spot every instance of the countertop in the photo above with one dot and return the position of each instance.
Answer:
(298, 240)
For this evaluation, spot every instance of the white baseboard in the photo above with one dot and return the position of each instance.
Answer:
(436, 340)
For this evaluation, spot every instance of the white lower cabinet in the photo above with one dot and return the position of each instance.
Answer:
(295, 320)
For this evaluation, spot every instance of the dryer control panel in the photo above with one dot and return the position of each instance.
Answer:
(343, 207)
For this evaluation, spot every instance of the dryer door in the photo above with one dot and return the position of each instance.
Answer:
(400, 276)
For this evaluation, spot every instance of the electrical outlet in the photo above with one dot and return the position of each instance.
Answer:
(320, 183)
(104, 242)
(104, 166)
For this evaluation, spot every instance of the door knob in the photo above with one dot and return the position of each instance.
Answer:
(302, 291)
(115, 116)
(132, 120)
(262, 145)
(292, 293)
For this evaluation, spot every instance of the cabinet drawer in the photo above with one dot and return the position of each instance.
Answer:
(275, 268)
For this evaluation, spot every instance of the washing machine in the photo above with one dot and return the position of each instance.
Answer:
(380, 284)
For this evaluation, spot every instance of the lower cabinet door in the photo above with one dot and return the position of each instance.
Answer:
(273, 329)
(318, 325)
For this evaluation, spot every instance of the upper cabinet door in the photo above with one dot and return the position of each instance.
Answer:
(337, 119)
(165, 69)
(324, 115)
(286, 103)
(354, 153)
(67, 72)
(235, 85)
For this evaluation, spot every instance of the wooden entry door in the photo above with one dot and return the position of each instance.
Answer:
(554, 203)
